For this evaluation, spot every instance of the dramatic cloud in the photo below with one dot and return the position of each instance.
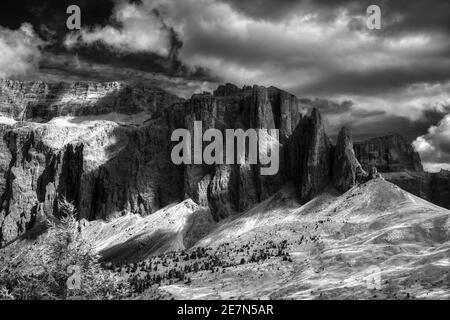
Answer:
(19, 51)
(138, 30)
(309, 48)
(55, 67)
(434, 147)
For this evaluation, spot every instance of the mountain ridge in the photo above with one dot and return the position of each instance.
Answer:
(109, 166)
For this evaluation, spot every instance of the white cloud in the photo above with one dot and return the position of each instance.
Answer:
(410, 102)
(436, 167)
(19, 51)
(434, 147)
(140, 31)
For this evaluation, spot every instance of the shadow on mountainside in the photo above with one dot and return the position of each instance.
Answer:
(140, 247)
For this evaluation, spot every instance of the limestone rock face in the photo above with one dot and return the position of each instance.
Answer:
(104, 167)
(347, 171)
(399, 164)
(310, 154)
(440, 188)
(234, 188)
(389, 154)
(40, 101)
(108, 168)
(105, 170)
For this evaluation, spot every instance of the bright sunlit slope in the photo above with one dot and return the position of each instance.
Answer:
(375, 241)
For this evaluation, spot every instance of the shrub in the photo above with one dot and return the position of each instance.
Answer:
(40, 270)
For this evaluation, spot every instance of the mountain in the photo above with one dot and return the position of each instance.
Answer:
(401, 165)
(106, 148)
(376, 241)
(389, 153)
(335, 245)
(432, 186)
(327, 225)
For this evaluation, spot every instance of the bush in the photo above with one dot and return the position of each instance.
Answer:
(40, 270)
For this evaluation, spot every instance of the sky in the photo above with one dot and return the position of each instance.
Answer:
(396, 79)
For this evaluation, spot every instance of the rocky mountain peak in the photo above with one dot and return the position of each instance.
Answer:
(391, 153)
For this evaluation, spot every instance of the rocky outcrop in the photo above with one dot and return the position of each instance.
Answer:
(228, 189)
(389, 154)
(310, 154)
(400, 164)
(108, 168)
(347, 171)
(105, 168)
(440, 188)
(40, 101)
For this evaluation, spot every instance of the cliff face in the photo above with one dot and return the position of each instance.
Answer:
(106, 168)
(347, 171)
(310, 155)
(389, 154)
(401, 165)
(228, 189)
(112, 156)
(40, 101)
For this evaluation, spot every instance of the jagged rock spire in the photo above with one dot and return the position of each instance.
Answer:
(347, 171)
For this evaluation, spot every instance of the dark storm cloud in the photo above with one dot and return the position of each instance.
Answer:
(400, 18)
(328, 106)
(365, 124)
(383, 80)
(399, 15)
(259, 52)
(368, 125)
(48, 17)
(383, 125)
(55, 67)
(265, 9)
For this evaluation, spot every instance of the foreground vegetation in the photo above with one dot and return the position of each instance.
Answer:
(41, 270)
